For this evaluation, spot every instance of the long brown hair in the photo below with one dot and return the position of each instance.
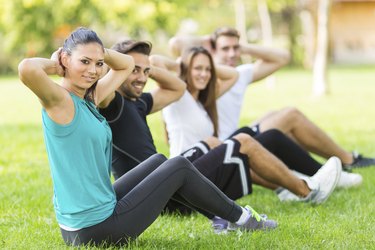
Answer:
(207, 96)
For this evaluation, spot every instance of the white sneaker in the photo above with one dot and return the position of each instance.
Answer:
(348, 180)
(285, 195)
(321, 184)
(326, 178)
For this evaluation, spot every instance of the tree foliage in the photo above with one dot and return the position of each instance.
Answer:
(38, 27)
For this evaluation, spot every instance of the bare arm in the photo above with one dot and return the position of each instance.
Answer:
(178, 44)
(34, 73)
(226, 77)
(121, 66)
(165, 63)
(170, 86)
(268, 59)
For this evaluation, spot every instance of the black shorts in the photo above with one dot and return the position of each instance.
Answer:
(252, 131)
(224, 165)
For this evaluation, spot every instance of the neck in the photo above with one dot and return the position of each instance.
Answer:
(125, 95)
(76, 91)
(194, 94)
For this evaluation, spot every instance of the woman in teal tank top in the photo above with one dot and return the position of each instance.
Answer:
(88, 207)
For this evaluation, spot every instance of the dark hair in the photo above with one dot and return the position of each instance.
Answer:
(223, 31)
(207, 96)
(127, 46)
(79, 36)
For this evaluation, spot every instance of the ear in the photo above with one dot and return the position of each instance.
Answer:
(64, 59)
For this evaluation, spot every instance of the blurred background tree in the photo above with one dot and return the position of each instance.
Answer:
(38, 27)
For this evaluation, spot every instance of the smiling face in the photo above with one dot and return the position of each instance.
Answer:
(84, 66)
(133, 86)
(200, 72)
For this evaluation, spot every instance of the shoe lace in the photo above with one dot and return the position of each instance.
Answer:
(254, 213)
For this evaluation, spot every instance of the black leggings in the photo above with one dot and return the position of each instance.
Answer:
(285, 149)
(142, 194)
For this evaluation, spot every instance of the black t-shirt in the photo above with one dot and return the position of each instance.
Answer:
(130, 132)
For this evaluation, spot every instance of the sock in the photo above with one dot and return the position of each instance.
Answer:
(244, 217)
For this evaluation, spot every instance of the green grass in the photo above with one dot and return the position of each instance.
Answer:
(345, 221)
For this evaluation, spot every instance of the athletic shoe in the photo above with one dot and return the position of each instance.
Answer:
(348, 180)
(327, 177)
(255, 221)
(219, 225)
(321, 184)
(359, 162)
(285, 195)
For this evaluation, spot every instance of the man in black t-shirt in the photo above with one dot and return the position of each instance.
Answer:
(126, 109)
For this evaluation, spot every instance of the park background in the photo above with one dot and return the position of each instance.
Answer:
(330, 78)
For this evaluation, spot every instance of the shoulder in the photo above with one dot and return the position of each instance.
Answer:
(145, 102)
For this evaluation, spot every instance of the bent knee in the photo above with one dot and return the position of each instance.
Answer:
(180, 161)
(212, 142)
(291, 112)
(158, 157)
(245, 140)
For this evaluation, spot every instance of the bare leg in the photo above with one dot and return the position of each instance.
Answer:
(256, 179)
(269, 168)
(297, 126)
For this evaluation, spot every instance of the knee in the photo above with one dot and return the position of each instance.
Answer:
(158, 158)
(292, 113)
(180, 162)
(246, 141)
(212, 142)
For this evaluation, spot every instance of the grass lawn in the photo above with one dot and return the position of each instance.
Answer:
(345, 221)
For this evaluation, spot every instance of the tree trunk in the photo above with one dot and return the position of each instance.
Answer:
(320, 85)
(266, 27)
(308, 30)
(240, 13)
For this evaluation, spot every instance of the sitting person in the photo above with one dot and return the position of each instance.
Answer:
(225, 47)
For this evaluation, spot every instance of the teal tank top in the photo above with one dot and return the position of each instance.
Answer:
(80, 155)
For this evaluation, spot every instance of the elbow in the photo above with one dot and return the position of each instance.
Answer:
(130, 63)
(25, 69)
(154, 61)
(181, 90)
(174, 45)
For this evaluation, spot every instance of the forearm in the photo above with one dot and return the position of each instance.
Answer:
(178, 44)
(267, 54)
(167, 80)
(35, 68)
(121, 66)
(170, 87)
(226, 77)
(225, 73)
(118, 61)
(165, 63)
